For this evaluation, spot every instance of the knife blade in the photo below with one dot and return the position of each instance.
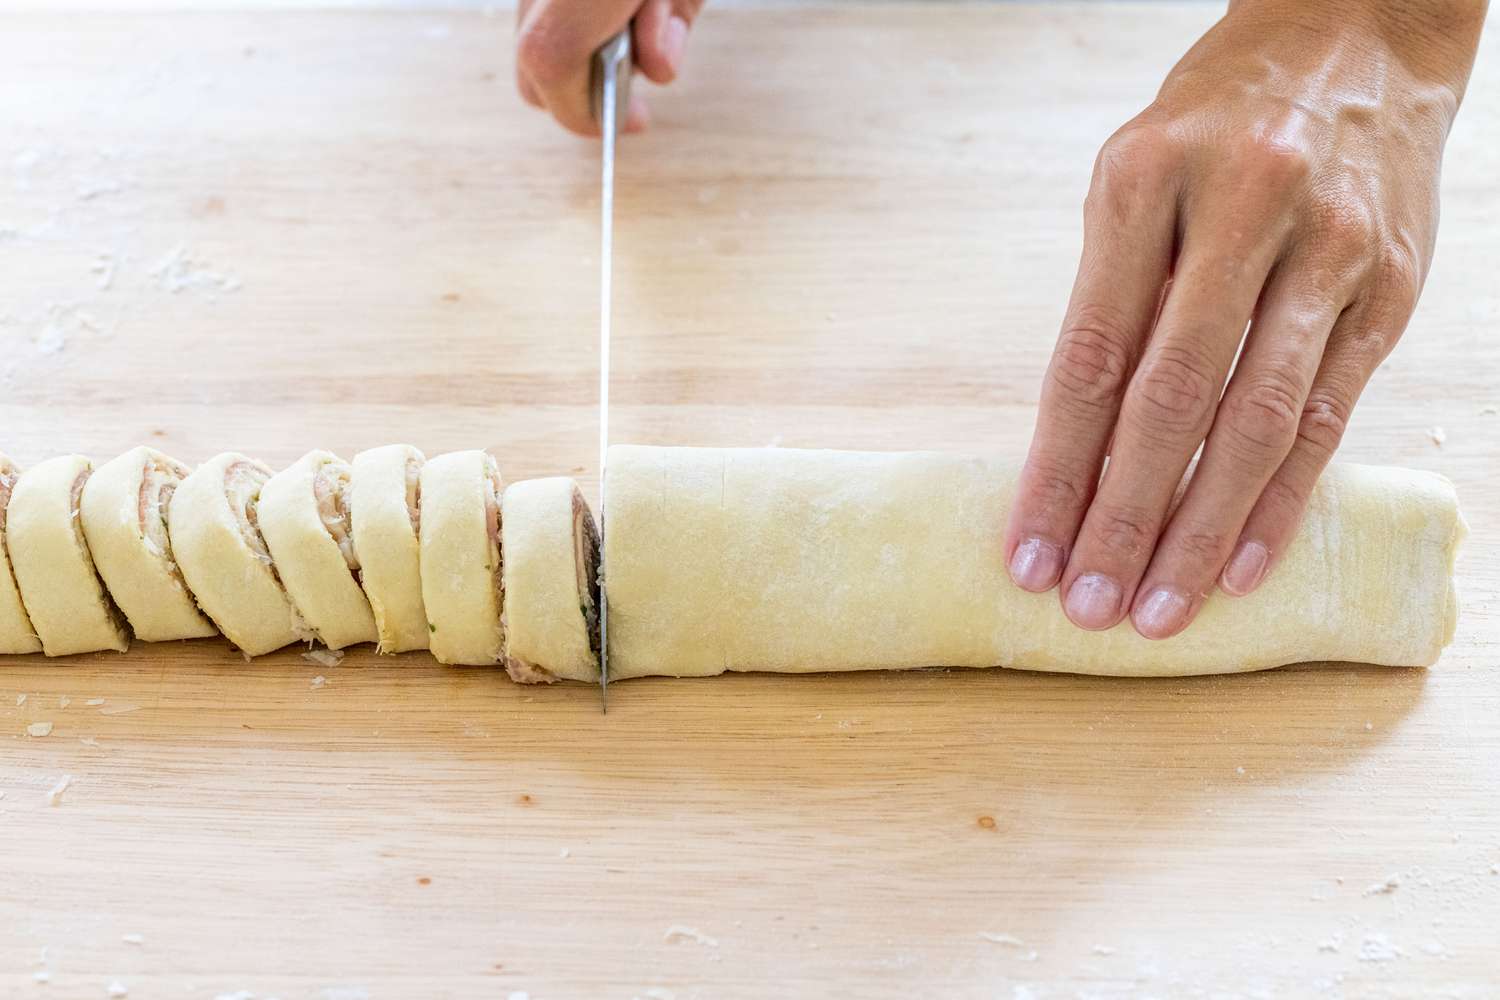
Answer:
(609, 92)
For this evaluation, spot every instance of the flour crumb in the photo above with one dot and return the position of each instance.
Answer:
(42, 976)
(1378, 948)
(52, 341)
(116, 989)
(1103, 949)
(1332, 944)
(178, 272)
(1489, 411)
(1435, 949)
(1369, 726)
(680, 932)
(655, 993)
(88, 741)
(1438, 435)
(54, 796)
(132, 939)
(236, 995)
(64, 701)
(93, 189)
(39, 729)
(94, 701)
(319, 681)
(1009, 940)
(1385, 888)
(1239, 770)
(324, 657)
(123, 708)
(564, 853)
(104, 268)
(518, 995)
(20, 700)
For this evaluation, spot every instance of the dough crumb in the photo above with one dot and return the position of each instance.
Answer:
(324, 657)
(39, 729)
(1489, 411)
(236, 995)
(564, 853)
(116, 989)
(1385, 888)
(1239, 770)
(42, 976)
(177, 272)
(518, 995)
(1103, 949)
(1332, 944)
(1378, 948)
(64, 701)
(54, 797)
(319, 681)
(1438, 435)
(655, 993)
(124, 708)
(20, 700)
(1006, 939)
(94, 701)
(680, 932)
(88, 741)
(132, 939)
(1369, 726)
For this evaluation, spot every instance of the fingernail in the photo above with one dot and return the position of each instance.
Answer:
(1245, 569)
(673, 38)
(1093, 601)
(1036, 565)
(1163, 613)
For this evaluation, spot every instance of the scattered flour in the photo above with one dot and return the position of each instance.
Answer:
(324, 657)
(54, 796)
(680, 932)
(39, 729)
(1438, 435)
(116, 989)
(20, 700)
(64, 701)
(178, 272)
(94, 701)
(123, 708)
(1378, 948)
(1390, 885)
(1006, 939)
(319, 681)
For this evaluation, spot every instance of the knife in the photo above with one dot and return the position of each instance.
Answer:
(609, 97)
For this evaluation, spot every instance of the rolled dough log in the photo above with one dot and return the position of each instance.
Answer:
(550, 551)
(212, 525)
(303, 515)
(384, 512)
(124, 513)
(16, 633)
(460, 543)
(64, 598)
(786, 560)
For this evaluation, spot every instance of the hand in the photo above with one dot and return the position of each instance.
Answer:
(1285, 178)
(556, 40)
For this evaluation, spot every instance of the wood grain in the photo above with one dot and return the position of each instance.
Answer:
(853, 226)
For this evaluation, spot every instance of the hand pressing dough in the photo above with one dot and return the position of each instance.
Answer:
(64, 599)
(304, 517)
(384, 511)
(212, 525)
(16, 633)
(550, 551)
(786, 560)
(460, 543)
(124, 513)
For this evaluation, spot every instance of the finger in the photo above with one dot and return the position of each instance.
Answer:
(1239, 223)
(1360, 341)
(1253, 430)
(1129, 226)
(555, 51)
(523, 85)
(638, 115)
(661, 30)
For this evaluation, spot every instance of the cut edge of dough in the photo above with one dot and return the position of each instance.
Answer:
(27, 641)
(586, 572)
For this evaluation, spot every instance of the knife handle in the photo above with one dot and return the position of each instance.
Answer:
(612, 62)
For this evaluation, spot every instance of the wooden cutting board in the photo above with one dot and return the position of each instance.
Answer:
(852, 226)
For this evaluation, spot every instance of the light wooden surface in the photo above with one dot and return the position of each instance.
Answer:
(853, 227)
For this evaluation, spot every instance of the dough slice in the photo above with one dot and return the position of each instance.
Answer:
(212, 525)
(16, 633)
(64, 598)
(304, 515)
(460, 541)
(550, 551)
(384, 512)
(124, 511)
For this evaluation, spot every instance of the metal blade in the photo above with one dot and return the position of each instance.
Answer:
(610, 93)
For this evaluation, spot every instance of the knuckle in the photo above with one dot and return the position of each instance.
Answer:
(1091, 365)
(1324, 420)
(1345, 225)
(1056, 493)
(1262, 419)
(540, 58)
(1273, 160)
(1202, 545)
(1174, 391)
(1135, 163)
(1398, 278)
(1126, 533)
(1281, 497)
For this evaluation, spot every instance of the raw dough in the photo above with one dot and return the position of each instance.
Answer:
(16, 633)
(787, 560)
(212, 525)
(303, 514)
(550, 551)
(384, 510)
(124, 513)
(64, 599)
(460, 542)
